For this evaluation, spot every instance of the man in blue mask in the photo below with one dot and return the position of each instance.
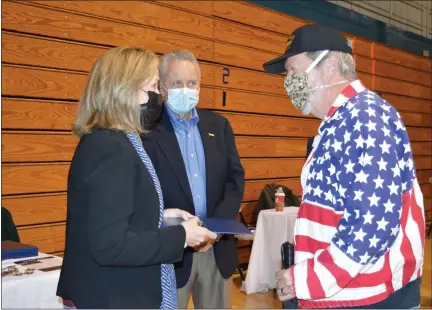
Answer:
(196, 159)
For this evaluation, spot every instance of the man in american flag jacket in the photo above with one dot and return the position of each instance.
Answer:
(359, 235)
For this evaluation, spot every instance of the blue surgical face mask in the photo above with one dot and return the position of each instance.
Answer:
(182, 100)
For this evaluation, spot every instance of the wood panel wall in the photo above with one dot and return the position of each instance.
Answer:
(48, 48)
(413, 15)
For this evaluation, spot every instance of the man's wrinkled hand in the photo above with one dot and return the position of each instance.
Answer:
(285, 285)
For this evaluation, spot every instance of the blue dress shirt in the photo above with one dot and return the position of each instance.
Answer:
(192, 150)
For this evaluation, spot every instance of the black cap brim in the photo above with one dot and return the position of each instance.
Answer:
(277, 65)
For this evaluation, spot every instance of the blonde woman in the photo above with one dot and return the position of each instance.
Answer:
(117, 255)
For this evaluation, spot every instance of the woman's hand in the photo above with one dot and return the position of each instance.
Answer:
(195, 234)
(177, 213)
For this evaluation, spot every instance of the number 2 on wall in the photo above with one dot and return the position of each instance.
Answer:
(226, 73)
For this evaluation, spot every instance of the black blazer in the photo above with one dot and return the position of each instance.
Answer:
(114, 247)
(224, 179)
(8, 228)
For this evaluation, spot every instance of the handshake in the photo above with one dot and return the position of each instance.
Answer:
(197, 237)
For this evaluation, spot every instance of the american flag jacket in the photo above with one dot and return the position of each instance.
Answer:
(360, 231)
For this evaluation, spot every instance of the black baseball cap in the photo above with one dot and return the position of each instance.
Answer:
(309, 38)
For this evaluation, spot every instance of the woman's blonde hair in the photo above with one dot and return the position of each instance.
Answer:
(109, 98)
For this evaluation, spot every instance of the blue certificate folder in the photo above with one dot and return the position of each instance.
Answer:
(216, 225)
(11, 249)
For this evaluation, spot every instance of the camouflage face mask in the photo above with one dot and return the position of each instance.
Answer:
(297, 87)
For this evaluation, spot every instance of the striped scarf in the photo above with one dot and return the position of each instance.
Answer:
(168, 281)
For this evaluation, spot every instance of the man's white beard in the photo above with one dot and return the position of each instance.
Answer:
(307, 108)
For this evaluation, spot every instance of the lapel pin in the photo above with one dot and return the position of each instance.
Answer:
(211, 134)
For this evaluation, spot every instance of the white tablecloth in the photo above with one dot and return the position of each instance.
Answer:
(272, 230)
(37, 290)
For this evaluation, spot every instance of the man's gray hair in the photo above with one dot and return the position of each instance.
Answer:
(176, 55)
(346, 63)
